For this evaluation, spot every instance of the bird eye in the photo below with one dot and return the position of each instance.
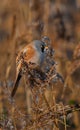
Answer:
(42, 48)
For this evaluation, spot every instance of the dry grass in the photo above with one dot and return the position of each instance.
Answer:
(44, 101)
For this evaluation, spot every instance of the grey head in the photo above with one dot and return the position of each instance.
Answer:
(40, 46)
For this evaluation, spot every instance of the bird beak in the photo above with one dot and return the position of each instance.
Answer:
(46, 48)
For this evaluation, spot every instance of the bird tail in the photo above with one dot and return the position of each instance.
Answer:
(16, 85)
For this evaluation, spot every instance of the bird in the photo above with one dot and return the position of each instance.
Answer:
(33, 53)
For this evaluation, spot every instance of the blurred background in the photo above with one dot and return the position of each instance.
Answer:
(22, 21)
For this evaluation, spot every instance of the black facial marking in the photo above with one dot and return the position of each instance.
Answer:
(42, 48)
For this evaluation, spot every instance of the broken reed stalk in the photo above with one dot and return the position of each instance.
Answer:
(38, 81)
(43, 114)
(49, 116)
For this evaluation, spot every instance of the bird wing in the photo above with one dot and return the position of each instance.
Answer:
(26, 54)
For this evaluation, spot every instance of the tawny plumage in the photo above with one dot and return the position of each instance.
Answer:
(33, 53)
